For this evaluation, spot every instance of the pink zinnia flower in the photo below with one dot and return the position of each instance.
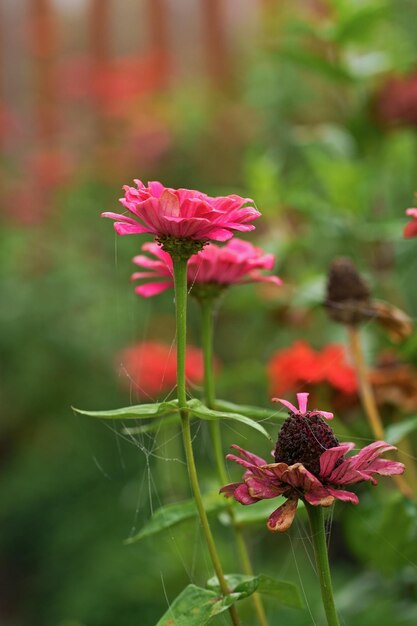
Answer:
(235, 263)
(182, 213)
(310, 464)
(410, 229)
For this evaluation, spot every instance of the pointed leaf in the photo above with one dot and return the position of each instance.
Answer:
(395, 432)
(140, 411)
(200, 410)
(286, 593)
(254, 412)
(172, 514)
(193, 607)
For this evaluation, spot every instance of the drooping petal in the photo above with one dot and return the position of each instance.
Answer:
(287, 404)
(253, 458)
(263, 489)
(369, 453)
(152, 289)
(126, 228)
(229, 490)
(299, 477)
(242, 495)
(118, 217)
(385, 467)
(282, 518)
(319, 497)
(345, 496)
(330, 457)
(277, 469)
(326, 414)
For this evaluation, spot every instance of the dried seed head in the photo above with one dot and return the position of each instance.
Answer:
(303, 439)
(347, 300)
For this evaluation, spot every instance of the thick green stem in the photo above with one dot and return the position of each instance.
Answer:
(207, 315)
(315, 514)
(180, 282)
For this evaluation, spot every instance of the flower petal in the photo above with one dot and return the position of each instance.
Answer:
(242, 495)
(282, 518)
(302, 399)
(152, 289)
(287, 404)
(229, 490)
(330, 457)
(263, 489)
(319, 497)
(345, 496)
(326, 414)
(300, 478)
(253, 458)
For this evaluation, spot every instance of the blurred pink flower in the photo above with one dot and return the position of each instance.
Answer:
(410, 229)
(182, 213)
(235, 263)
(303, 470)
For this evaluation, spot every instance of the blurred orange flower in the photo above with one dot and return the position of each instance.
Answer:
(299, 366)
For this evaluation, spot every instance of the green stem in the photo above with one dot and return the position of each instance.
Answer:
(180, 282)
(315, 514)
(206, 305)
(207, 315)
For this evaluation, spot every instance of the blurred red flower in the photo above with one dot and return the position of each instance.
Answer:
(150, 367)
(299, 367)
(396, 101)
(410, 229)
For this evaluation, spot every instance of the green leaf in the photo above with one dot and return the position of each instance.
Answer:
(195, 607)
(357, 26)
(198, 409)
(395, 432)
(171, 514)
(312, 62)
(140, 411)
(254, 412)
(286, 593)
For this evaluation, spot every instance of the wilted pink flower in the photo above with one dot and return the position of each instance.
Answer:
(410, 229)
(235, 263)
(182, 213)
(310, 464)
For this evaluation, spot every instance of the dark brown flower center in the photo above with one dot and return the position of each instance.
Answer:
(302, 439)
(347, 300)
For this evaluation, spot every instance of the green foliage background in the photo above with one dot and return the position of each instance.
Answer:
(297, 132)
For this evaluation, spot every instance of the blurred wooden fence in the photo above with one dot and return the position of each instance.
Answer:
(57, 94)
(45, 25)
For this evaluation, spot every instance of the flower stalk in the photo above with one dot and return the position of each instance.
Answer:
(180, 284)
(316, 517)
(207, 315)
(368, 399)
